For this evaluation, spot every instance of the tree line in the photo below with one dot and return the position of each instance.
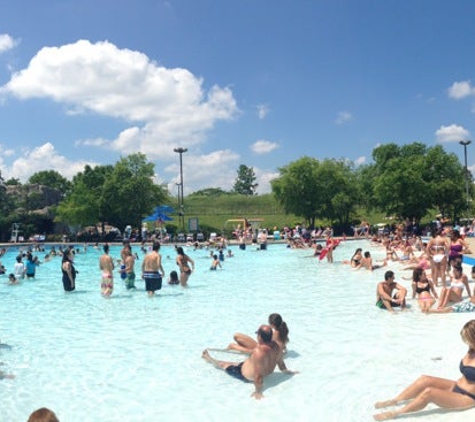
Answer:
(407, 182)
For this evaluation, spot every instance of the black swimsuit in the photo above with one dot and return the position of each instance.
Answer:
(419, 290)
(469, 373)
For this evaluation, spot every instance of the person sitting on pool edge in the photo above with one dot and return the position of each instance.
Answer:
(262, 362)
(384, 293)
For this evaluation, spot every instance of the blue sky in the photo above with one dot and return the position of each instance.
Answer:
(253, 82)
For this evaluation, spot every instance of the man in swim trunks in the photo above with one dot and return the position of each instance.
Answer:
(384, 293)
(129, 262)
(106, 264)
(152, 270)
(262, 362)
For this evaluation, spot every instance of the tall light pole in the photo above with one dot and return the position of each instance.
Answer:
(181, 151)
(465, 144)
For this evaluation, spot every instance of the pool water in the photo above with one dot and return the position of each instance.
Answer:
(134, 358)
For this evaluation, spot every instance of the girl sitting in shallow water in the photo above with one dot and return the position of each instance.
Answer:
(444, 393)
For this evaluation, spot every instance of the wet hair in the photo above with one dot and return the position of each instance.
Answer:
(266, 333)
(156, 246)
(215, 256)
(367, 254)
(280, 325)
(106, 248)
(173, 275)
(417, 274)
(458, 266)
(180, 251)
(388, 274)
(468, 335)
(43, 415)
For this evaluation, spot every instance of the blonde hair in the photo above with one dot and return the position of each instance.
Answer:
(468, 335)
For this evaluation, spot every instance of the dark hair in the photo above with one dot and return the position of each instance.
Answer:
(367, 254)
(388, 274)
(156, 246)
(173, 275)
(180, 251)
(106, 248)
(280, 325)
(416, 274)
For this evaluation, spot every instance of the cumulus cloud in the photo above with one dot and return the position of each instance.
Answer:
(451, 133)
(216, 169)
(360, 161)
(42, 158)
(343, 117)
(167, 106)
(7, 43)
(264, 177)
(460, 90)
(262, 111)
(263, 147)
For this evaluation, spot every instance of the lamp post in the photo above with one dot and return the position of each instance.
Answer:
(465, 144)
(181, 151)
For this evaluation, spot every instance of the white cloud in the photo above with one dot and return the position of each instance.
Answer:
(360, 161)
(263, 147)
(217, 169)
(452, 133)
(262, 111)
(168, 106)
(264, 177)
(42, 158)
(460, 90)
(343, 117)
(7, 42)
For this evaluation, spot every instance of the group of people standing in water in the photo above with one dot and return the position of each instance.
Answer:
(152, 269)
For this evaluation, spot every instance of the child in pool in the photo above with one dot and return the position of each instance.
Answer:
(173, 279)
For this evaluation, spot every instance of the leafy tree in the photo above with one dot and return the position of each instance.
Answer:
(245, 181)
(51, 179)
(410, 180)
(82, 204)
(13, 182)
(316, 189)
(129, 193)
(212, 192)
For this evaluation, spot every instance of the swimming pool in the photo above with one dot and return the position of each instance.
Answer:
(132, 358)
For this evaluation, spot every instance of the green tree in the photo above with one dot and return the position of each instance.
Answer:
(312, 189)
(410, 180)
(245, 181)
(82, 205)
(210, 192)
(51, 179)
(129, 194)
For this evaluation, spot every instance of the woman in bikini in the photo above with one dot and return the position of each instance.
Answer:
(443, 392)
(453, 291)
(424, 289)
(457, 247)
(183, 261)
(437, 248)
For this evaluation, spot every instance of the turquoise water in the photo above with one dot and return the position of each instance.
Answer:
(134, 358)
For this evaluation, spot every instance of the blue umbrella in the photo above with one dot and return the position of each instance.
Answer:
(157, 216)
(164, 209)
